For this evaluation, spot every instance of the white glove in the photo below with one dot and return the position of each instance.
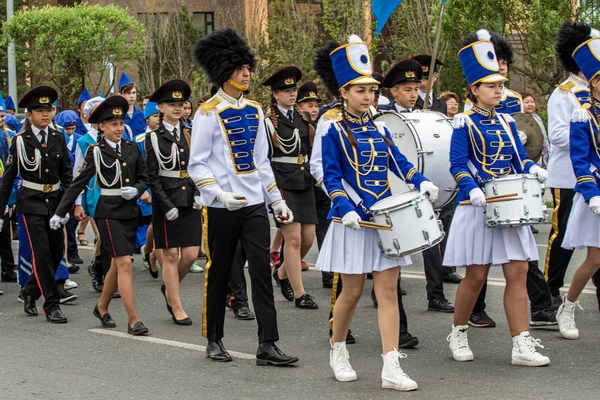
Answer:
(540, 173)
(282, 212)
(55, 223)
(197, 203)
(129, 192)
(595, 204)
(172, 214)
(523, 137)
(430, 189)
(351, 220)
(477, 197)
(230, 202)
(63, 221)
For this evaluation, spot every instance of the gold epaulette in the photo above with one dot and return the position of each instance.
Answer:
(567, 87)
(585, 106)
(333, 114)
(140, 138)
(208, 106)
(469, 112)
(254, 103)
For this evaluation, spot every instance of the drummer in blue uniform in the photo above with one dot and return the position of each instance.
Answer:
(356, 176)
(485, 145)
(134, 118)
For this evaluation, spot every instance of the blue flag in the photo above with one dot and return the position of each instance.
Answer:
(383, 9)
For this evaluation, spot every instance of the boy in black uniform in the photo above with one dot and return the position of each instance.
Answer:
(121, 175)
(40, 155)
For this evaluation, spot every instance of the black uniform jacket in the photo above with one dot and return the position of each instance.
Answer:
(437, 105)
(55, 167)
(133, 173)
(168, 193)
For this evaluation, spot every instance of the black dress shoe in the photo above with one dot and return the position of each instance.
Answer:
(286, 289)
(106, 320)
(73, 269)
(350, 339)
(8, 276)
(440, 305)
(28, 303)
(163, 289)
(153, 274)
(74, 259)
(306, 301)
(56, 317)
(216, 352)
(407, 341)
(269, 354)
(244, 313)
(137, 329)
(66, 297)
(452, 277)
(185, 322)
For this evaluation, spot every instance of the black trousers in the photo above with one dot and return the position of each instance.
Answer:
(323, 207)
(337, 289)
(557, 258)
(47, 251)
(237, 280)
(250, 227)
(6, 253)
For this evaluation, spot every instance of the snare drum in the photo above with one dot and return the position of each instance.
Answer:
(529, 210)
(415, 227)
(423, 137)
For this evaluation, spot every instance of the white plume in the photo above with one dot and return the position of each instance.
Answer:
(354, 39)
(594, 33)
(483, 34)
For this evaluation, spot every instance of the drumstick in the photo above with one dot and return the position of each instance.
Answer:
(500, 196)
(491, 200)
(366, 224)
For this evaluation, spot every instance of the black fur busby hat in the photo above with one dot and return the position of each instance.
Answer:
(221, 53)
(324, 68)
(570, 36)
(503, 48)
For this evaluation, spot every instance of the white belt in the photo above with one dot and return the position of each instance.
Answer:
(41, 187)
(300, 160)
(183, 174)
(110, 192)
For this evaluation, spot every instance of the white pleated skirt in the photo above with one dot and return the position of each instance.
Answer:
(471, 242)
(350, 251)
(583, 227)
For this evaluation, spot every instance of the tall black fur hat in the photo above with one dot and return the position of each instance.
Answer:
(571, 35)
(324, 68)
(503, 48)
(221, 53)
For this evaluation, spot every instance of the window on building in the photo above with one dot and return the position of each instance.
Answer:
(205, 21)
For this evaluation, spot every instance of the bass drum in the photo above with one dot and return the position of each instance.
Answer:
(424, 139)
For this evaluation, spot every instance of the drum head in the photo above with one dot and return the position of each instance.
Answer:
(395, 200)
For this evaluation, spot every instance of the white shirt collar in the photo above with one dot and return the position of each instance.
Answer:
(231, 100)
(422, 96)
(113, 145)
(37, 131)
(399, 108)
(170, 127)
(284, 111)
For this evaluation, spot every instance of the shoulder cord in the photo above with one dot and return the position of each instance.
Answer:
(23, 160)
(99, 162)
(162, 160)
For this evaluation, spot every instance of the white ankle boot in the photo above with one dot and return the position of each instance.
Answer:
(565, 316)
(392, 375)
(459, 344)
(339, 360)
(524, 351)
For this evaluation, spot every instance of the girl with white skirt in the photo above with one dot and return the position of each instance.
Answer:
(486, 145)
(356, 158)
(583, 227)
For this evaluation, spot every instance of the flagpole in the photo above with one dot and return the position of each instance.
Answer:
(434, 57)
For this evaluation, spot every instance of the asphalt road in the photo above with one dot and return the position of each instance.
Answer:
(80, 360)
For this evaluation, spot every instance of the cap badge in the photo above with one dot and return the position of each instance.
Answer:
(177, 95)
(117, 112)
(425, 68)
(290, 81)
(410, 74)
(44, 100)
(312, 94)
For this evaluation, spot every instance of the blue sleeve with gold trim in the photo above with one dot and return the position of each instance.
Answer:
(580, 138)
(459, 160)
(332, 172)
(407, 169)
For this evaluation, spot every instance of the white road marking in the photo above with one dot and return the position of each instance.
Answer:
(165, 342)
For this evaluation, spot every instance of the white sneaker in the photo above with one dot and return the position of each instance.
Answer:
(339, 360)
(392, 375)
(196, 269)
(459, 344)
(69, 284)
(524, 352)
(565, 316)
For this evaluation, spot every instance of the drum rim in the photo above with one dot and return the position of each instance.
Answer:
(398, 206)
(510, 177)
(418, 249)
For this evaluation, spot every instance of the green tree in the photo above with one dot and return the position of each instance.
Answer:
(69, 47)
(341, 18)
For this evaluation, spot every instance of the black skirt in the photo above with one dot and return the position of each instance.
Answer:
(303, 205)
(185, 231)
(117, 235)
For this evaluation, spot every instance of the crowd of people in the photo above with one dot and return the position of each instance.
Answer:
(177, 185)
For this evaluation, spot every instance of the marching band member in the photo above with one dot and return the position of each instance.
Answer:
(308, 100)
(229, 164)
(355, 176)
(435, 104)
(478, 152)
(583, 227)
(291, 134)
(177, 216)
(121, 175)
(40, 156)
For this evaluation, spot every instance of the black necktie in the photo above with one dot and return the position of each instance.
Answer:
(43, 141)
(290, 115)
(118, 150)
(175, 133)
